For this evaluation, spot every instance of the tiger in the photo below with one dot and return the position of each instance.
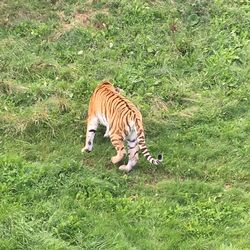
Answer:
(123, 121)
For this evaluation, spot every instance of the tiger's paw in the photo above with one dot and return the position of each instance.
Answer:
(85, 150)
(125, 168)
(115, 159)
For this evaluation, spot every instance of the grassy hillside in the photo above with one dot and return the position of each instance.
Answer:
(185, 64)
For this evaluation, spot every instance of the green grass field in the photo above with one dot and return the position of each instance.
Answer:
(185, 64)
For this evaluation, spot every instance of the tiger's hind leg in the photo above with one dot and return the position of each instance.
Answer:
(133, 151)
(118, 143)
(90, 134)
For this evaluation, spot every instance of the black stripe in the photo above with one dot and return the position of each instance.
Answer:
(147, 157)
(111, 102)
(124, 102)
(105, 111)
(124, 112)
(132, 140)
(141, 137)
(135, 153)
(106, 83)
(110, 96)
(127, 106)
(102, 91)
(92, 130)
(97, 90)
(128, 122)
(139, 133)
(108, 93)
(132, 147)
(120, 102)
(122, 148)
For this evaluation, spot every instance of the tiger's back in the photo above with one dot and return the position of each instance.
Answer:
(122, 120)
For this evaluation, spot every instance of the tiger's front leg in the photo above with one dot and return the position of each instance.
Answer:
(90, 134)
(118, 143)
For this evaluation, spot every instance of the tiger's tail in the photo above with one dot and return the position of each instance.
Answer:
(142, 144)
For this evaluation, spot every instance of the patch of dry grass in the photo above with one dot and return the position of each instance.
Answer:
(79, 19)
(41, 113)
(16, 11)
(9, 88)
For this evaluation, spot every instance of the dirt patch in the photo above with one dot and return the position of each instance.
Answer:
(83, 19)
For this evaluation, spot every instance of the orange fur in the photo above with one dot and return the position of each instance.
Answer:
(122, 120)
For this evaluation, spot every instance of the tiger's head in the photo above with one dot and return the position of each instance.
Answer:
(109, 85)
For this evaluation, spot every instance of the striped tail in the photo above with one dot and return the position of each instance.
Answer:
(142, 144)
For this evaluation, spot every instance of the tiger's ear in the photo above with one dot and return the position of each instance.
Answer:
(118, 90)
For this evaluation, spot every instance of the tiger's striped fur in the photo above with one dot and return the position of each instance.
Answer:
(122, 120)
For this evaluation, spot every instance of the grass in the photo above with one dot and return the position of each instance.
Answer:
(185, 64)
